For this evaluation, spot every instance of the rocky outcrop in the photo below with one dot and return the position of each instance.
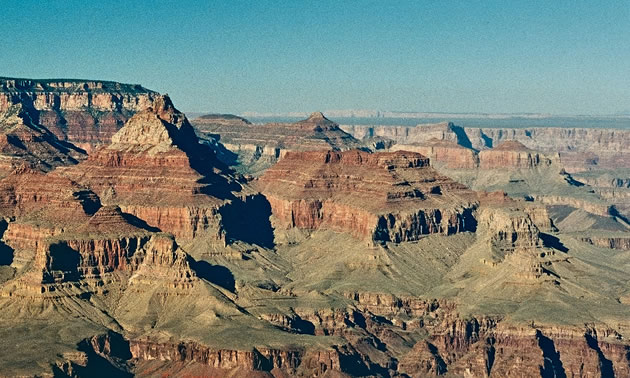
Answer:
(41, 198)
(592, 206)
(84, 112)
(577, 149)
(607, 179)
(612, 241)
(511, 154)
(443, 152)
(24, 143)
(446, 153)
(156, 170)
(419, 134)
(259, 146)
(392, 196)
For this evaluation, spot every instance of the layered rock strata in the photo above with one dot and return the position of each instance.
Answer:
(578, 149)
(156, 170)
(265, 144)
(392, 196)
(511, 154)
(24, 143)
(84, 112)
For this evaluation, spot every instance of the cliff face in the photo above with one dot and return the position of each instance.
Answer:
(578, 149)
(156, 170)
(448, 154)
(382, 196)
(26, 193)
(24, 143)
(511, 154)
(86, 113)
(443, 152)
(84, 258)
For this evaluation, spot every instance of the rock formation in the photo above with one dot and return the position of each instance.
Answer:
(443, 152)
(259, 146)
(156, 170)
(511, 154)
(377, 196)
(84, 112)
(578, 149)
(151, 257)
(24, 143)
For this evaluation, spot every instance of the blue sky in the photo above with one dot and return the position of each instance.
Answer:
(562, 57)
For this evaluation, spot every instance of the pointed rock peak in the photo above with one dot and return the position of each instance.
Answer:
(317, 116)
(109, 219)
(160, 125)
(318, 122)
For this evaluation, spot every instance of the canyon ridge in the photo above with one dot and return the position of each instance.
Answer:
(137, 242)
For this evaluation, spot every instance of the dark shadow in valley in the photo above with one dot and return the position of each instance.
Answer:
(553, 242)
(552, 365)
(462, 137)
(107, 356)
(63, 260)
(487, 141)
(223, 154)
(248, 220)
(216, 274)
(137, 222)
(605, 365)
(6, 252)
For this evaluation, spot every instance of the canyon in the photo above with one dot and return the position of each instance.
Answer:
(257, 147)
(134, 242)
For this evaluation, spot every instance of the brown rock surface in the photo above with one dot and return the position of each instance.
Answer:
(25, 143)
(443, 152)
(511, 154)
(156, 170)
(579, 149)
(392, 196)
(84, 112)
(262, 145)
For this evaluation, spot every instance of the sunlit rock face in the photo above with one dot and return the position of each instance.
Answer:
(85, 113)
(393, 196)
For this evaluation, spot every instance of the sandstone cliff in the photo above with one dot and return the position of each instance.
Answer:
(578, 149)
(376, 196)
(84, 112)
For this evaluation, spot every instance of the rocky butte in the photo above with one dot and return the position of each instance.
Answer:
(156, 170)
(393, 196)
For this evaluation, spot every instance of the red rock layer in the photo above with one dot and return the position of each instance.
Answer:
(156, 170)
(45, 198)
(391, 196)
(511, 154)
(25, 143)
(86, 113)
(443, 152)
